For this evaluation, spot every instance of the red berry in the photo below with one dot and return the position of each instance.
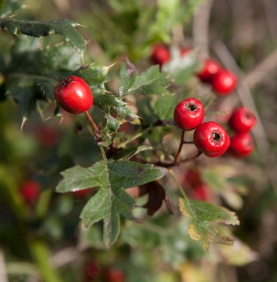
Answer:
(188, 114)
(46, 135)
(224, 82)
(242, 145)
(209, 70)
(193, 177)
(184, 51)
(93, 270)
(29, 190)
(115, 275)
(242, 120)
(201, 193)
(81, 194)
(160, 55)
(210, 138)
(228, 142)
(74, 95)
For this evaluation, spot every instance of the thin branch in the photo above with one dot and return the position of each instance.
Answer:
(200, 29)
(263, 70)
(3, 271)
(177, 157)
(96, 132)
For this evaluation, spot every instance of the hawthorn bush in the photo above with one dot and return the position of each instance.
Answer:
(104, 178)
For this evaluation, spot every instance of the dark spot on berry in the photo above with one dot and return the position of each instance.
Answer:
(216, 136)
(191, 107)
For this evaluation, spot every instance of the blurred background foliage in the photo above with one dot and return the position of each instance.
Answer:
(45, 238)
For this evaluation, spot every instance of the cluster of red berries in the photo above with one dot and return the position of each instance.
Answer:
(241, 122)
(95, 272)
(209, 137)
(222, 80)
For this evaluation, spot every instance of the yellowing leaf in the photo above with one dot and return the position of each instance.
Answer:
(204, 216)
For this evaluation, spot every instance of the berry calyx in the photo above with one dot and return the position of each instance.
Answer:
(188, 114)
(160, 54)
(226, 147)
(74, 95)
(242, 145)
(209, 70)
(211, 139)
(30, 190)
(242, 120)
(224, 82)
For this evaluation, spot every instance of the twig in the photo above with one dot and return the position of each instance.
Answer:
(177, 157)
(200, 29)
(262, 70)
(96, 132)
(3, 272)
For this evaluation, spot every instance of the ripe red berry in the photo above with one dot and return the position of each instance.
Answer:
(193, 177)
(242, 145)
(201, 193)
(184, 51)
(209, 70)
(93, 270)
(46, 135)
(224, 150)
(114, 275)
(210, 138)
(224, 82)
(242, 120)
(160, 55)
(189, 113)
(29, 190)
(74, 95)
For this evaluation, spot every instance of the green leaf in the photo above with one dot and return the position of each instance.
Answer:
(95, 76)
(150, 82)
(163, 107)
(204, 216)
(63, 27)
(111, 200)
(107, 102)
(8, 7)
(181, 68)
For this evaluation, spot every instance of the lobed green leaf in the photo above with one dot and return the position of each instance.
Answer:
(111, 200)
(63, 27)
(204, 216)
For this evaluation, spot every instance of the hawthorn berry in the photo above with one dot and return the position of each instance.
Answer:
(193, 177)
(224, 82)
(188, 114)
(160, 54)
(201, 192)
(211, 139)
(74, 95)
(242, 120)
(224, 150)
(30, 190)
(92, 270)
(47, 136)
(184, 51)
(209, 70)
(114, 275)
(242, 145)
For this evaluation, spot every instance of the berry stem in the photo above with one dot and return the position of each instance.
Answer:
(178, 154)
(96, 132)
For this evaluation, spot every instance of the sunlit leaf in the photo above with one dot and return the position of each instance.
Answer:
(204, 217)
